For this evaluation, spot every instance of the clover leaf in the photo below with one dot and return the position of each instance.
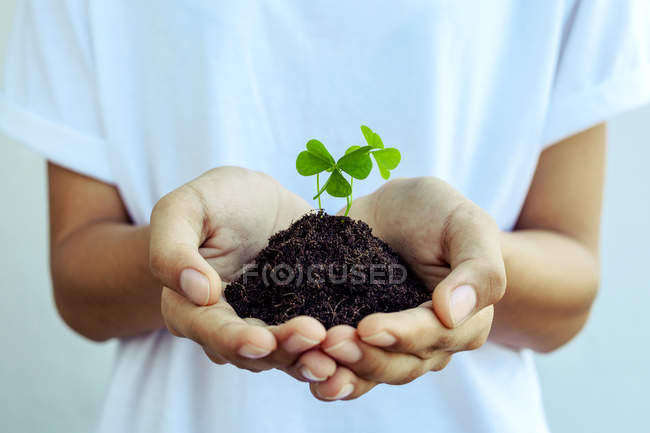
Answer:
(356, 162)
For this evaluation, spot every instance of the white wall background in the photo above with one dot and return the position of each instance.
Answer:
(52, 380)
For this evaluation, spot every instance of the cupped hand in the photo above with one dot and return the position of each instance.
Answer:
(202, 234)
(395, 348)
(454, 247)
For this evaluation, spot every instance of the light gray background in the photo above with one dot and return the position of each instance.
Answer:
(52, 380)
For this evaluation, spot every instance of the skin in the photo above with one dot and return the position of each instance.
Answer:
(102, 284)
(107, 274)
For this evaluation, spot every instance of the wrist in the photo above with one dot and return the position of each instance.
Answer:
(507, 239)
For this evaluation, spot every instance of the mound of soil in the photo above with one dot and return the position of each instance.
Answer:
(328, 267)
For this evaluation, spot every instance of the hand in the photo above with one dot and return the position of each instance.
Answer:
(454, 247)
(202, 234)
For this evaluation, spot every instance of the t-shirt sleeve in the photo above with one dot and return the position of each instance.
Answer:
(49, 100)
(603, 67)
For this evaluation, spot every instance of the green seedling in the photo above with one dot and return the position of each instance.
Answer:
(356, 162)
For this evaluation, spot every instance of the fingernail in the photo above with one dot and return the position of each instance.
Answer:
(253, 352)
(344, 392)
(298, 343)
(462, 303)
(345, 351)
(307, 374)
(196, 286)
(381, 339)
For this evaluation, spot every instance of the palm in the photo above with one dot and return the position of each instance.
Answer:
(413, 216)
(242, 209)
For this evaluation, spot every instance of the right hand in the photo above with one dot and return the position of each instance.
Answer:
(449, 242)
(201, 235)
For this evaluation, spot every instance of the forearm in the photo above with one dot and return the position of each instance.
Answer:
(552, 282)
(102, 284)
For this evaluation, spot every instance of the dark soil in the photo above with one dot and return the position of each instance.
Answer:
(328, 267)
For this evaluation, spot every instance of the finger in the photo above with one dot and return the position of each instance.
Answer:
(216, 358)
(177, 231)
(255, 321)
(343, 385)
(219, 330)
(418, 331)
(295, 337)
(313, 366)
(413, 331)
(472, 245)
(370, 362)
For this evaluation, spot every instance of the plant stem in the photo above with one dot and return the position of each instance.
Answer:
(318, 189)
(348, 199)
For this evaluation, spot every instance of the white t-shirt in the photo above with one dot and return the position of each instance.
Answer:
(149, 94)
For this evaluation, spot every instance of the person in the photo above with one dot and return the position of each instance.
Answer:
(171, 131)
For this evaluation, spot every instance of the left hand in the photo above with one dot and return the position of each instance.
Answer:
(454, 247)
(212, 226)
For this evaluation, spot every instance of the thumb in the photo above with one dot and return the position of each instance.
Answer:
(477, 278)
(177, 231)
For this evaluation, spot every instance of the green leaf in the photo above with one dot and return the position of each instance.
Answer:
(388, 158)
(337, 186)
(372, 138)
(356, 163)
(307, 164)
(385, 173)
(352, 149)
(318, 149)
